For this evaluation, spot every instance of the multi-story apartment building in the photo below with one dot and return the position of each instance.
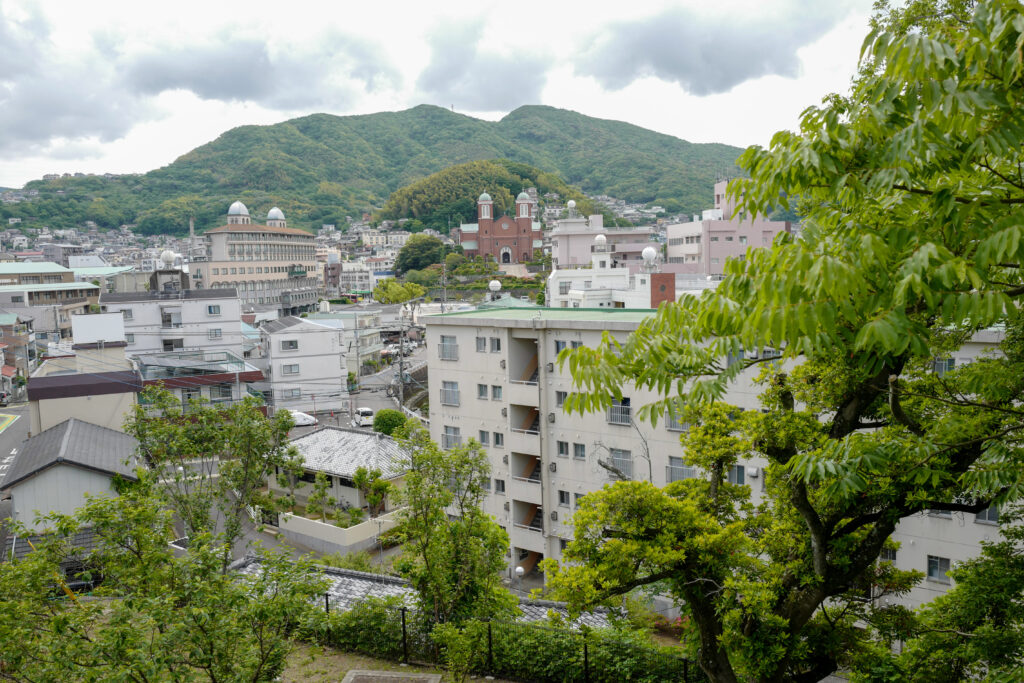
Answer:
(703, 245)
(39, 273)
(266, 264)
(494, 377)
(218, 377)
(361, 336)
(572, 241)
(46, 292)
(305, 365)
(179, 320)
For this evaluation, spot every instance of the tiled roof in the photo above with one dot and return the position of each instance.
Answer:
(75, 443)
(340, 452)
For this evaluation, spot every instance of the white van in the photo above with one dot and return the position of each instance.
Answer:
(363, 418)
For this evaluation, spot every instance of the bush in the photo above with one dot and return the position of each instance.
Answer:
(386, 421)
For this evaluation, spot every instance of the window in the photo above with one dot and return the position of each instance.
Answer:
(736, 475)
(481, 344)
(448, 349)
(576, 498)
(293, 393)
(743, 239)
(289, 344)
(674, 424)
(576, 344)
(938, 568)
(213, 309)
(714, 239)
(579, 451)
(450, 393)
(563, 449)
(234, 271)
(126, 312)
(563, 498)
(560, 397)
(481, 391)
(485, 438)
(292, 369)
(677, 470)
(214, 333)
(499, 486)
(495, 392)
(451, 437)
(495, 344)
(563, 544)
(940, 513)
(216, 271)
(989, 515)
(18, 298)
(733, 358)
(940, 366)
(499, 440)
(559, 345)
(620, 412)
(563, 287)
(887, 555)
(623, 461)
(220, 392)
(130, 338)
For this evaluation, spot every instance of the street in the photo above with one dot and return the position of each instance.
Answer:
(14, 424)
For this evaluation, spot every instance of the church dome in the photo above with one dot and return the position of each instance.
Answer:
(523, 197)
(238, 209)
(484, 197)
(275, 214)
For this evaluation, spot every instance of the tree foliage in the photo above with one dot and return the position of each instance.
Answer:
(912, 244)
(421, 251)
(386, 421)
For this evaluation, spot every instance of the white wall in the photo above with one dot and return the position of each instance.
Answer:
(322, 375)
(61, 488)
(145, 333)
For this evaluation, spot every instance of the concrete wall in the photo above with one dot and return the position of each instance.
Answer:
(327, 538)
(106, 410)
(61, 488)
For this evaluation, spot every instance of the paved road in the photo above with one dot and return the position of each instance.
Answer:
(13, 433)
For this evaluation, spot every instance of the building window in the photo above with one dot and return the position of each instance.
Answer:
(214, 333)
(563, 449)
(292, 369)
(559, 346)
(736, 475)
(481, 344)
(623, 461)
(499, 440)
(888, 555)
(289, 344)
(451, 437)
(448, 349)
(485, 438)
(450, 393)
(220, 392)
(575, 344)
(940, 366)
(989, 515)
(495, 344)
(126, 312)
(293, 393)
(481, 391)
(20, 298)
(743, 239)
(579, 451)
(499, 487)
(560, 397)
(674, 424)
(586, 284)
(563, 287)
(677, 470)
(620, 412)
(130, 338)
(213, 309)
(563, 498)
(938, 568)
(576, 498)
(495, 392)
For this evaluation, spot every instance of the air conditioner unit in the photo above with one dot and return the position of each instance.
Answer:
(551, 367)
(553, 467)
(502, 364)
(753, 472)
(506, 506)
(504, 459)
(554, 516)
(551, 417)
(504, 412)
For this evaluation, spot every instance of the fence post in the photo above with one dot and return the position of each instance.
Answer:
(686, 670)
(490, 650)
(586, 663)
(327, 603)
(405, 640)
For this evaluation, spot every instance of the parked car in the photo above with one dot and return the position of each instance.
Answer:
(363, 418)
(302, 419)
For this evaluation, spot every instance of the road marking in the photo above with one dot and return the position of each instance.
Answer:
(14, 451)
(7, 420)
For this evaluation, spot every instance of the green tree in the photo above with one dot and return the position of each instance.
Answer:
(320, 500)
(160, 616)
(386, 421)
(419, 252)
(214, 462)
(453, 561)
(913, 242)
(374, 487)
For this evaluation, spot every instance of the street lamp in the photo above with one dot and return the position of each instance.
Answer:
(519, 578)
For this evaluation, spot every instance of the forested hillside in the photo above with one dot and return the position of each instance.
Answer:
(321, 168)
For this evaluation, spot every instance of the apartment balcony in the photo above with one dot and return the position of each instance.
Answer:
(523, 441)
(525, 490)
(524, 393)
(620, 415)
(528, 516)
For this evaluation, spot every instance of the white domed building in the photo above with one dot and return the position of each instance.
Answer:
(269, 265)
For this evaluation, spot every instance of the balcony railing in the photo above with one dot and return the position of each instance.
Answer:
(679, 472)
(448, 351)
(529, 480)
(530, 527)
(450, 397)
(620, 415)
(450, 440)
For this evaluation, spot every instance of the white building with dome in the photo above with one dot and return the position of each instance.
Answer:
(268, 264)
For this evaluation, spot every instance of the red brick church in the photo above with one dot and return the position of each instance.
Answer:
(509, 239)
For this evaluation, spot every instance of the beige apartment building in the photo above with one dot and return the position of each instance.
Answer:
(267, 264)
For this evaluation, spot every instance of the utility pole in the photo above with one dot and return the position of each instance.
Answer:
(444, 284)
(401, 365)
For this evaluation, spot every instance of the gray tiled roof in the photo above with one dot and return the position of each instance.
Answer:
(76, 443)
(340, 452)
(348, 588)
(281, 324)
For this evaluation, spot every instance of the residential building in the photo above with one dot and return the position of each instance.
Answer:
(703, 245)
(46, 292)
(572, 241)
(17, 335)
(361, 337)
(59, 253)
(178, 320)
(266, 264)
(508, 239)
(348, 278)
(219, 378)
(37, 273)
(305, 365)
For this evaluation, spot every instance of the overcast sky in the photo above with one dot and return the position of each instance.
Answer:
(129, 86)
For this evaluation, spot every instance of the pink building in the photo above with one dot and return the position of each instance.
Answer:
(572, 241)
(703, 245)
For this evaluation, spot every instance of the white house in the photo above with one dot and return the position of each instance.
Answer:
(305, 365)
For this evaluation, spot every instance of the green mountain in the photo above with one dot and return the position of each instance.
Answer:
(322, 167)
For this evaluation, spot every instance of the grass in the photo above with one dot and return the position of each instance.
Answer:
(317, 664)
